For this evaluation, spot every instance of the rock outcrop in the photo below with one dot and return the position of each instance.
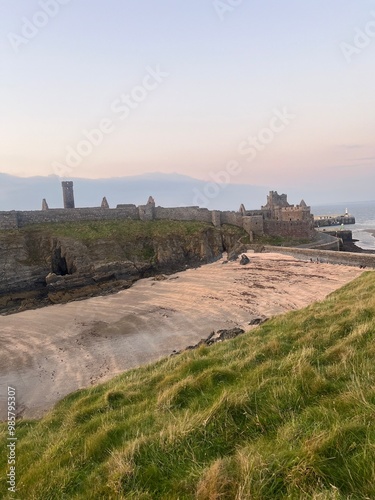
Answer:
(213, 338)
(38, 268)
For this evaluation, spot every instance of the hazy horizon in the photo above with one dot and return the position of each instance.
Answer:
(27, 193)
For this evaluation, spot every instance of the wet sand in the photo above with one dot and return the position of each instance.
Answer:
(48, 353)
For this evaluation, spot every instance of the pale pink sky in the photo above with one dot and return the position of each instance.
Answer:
(201, 82)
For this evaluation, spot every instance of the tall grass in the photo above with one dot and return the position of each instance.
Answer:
(284, 411)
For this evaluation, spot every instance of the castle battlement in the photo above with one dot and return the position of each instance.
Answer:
(295, 208)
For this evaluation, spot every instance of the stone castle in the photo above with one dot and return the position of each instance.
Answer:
(276, 218)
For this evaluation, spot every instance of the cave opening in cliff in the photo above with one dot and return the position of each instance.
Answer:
(59, 264)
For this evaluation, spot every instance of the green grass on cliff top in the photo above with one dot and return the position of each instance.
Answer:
(284, 411)
(125, 229)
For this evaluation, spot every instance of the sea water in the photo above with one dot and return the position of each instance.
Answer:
(364, 213)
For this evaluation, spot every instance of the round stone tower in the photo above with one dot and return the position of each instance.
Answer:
(68, 194)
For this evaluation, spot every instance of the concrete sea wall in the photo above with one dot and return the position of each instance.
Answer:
(327, 256)
(325, 242)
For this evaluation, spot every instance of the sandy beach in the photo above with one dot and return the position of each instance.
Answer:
(48, 353)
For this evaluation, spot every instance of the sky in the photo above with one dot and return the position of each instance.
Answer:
(258, 92)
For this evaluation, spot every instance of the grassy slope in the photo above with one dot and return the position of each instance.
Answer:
(285, 411)
(122, 230)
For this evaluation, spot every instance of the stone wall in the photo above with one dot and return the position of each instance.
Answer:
(253, 224)
(9, 220)
(132, 210)
(216, 218)
(184, 213)
(233, 218)
(262, 213)
(288, 229)
(146, 212)
(294, 214)
(13, 220)
(327, 256)
(71, 215)
(324, 242)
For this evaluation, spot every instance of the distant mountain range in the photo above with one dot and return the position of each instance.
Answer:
(27, 193)
(168, 190)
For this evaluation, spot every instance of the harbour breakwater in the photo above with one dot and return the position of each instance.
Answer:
(333, 220)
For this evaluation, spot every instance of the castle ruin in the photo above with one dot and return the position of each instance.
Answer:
(276, 218)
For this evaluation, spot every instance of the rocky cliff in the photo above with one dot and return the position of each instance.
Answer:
(56, 263)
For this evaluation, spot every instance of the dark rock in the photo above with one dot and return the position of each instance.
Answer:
(230, 334)
(244, 260)
(213, 338)
(52, 278)
(258, 321)
(210, 336)
(160, 277)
